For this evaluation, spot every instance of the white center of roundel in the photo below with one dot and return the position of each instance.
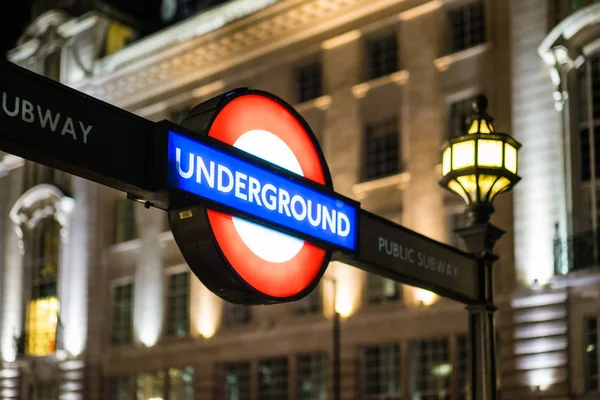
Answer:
(268, 244)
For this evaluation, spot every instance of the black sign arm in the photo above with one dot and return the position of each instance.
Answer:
(51, 124)
(395, 252)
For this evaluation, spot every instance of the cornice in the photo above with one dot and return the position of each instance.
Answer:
(202, 58)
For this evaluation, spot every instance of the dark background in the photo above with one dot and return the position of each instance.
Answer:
(13, 20)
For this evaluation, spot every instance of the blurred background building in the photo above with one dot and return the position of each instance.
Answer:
(96, 301)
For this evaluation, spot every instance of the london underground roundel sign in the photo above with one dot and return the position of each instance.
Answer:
(244, 261)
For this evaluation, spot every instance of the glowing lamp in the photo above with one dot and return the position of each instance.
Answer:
(482, 163)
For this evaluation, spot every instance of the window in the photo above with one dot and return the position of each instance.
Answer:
(178, 310)
(584, 136)
(462, 368)
(584, 142)
(381, 372)
(591, 354)
(119, 388)
(458, 116)
(150, 386)
(181, 384)
(381, 154)
(381, 290)
(273, 379)
(431, 370)
(42, 321)
(117, 37)
(44, 391)
(467, 26)
(308, 82)
(235, 314)
(43, 309)
(381, 55)
(311, 382)
(233, 381)
(45, 257)
(125, 221)
(311, 304)
(122, 318)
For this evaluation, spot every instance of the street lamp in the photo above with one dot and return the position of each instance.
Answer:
(478, 166)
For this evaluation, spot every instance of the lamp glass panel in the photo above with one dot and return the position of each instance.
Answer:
(455, 187)
(510, 158)
(463, 154)
(500, 186)
(485, 127)
(446, 161)
(469, 182)
(489, 153)
(485, 185)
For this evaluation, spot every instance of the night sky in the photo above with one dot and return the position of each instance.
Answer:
(12, 23)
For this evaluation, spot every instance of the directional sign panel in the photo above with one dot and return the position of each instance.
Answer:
(398, 253)
(211, 174)
(49, 123)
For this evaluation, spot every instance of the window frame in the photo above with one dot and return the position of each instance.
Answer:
(43, 289)
(299, 79)
(461, 99)
(232, 322)
(595, 352)
(581, 118)
(364, 373)
(318, 359)
(375, 65)
(113, 286)
(371, 153)
(279, 392)
(241, 368)
(124, 206)
(414, 388)
(466, 7)
(373, 299)
(171, 273)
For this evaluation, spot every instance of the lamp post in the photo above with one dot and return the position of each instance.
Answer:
(336, 343)
(478, 166)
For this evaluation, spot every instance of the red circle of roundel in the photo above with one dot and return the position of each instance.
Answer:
(241, 115)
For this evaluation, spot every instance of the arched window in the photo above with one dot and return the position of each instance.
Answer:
(42, 309)
(44, 261)
(41, 221)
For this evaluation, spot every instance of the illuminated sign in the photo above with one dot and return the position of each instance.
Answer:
(213, 175)
(265, 264)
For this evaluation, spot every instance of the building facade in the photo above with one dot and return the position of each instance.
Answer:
(96, 299)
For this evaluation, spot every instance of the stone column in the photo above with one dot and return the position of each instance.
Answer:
(13, 257)
(149, 277)
(79, 256)
(539, 196)
(424, 209)
(342, 133)
(12, 285)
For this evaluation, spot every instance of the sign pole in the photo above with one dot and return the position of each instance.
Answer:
(480, 236)
(336, 346)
